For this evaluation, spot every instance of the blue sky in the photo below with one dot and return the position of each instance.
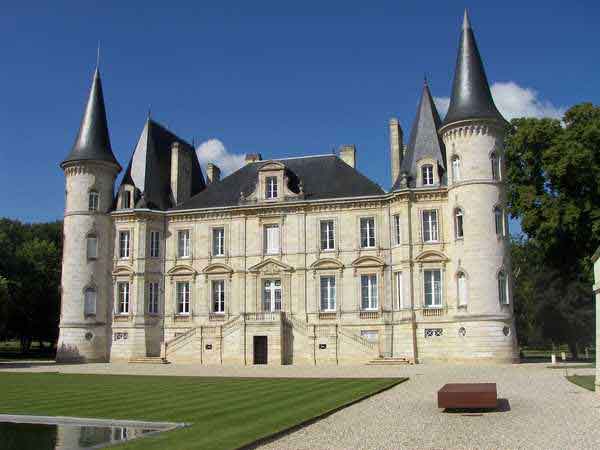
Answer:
(279, 78)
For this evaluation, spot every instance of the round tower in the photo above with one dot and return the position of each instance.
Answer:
(473, 134)
(90, 170)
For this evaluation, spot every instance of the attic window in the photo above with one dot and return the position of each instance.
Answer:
(126, 200)
(427, 175)
(270, 187)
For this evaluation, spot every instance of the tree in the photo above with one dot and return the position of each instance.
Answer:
(553, 186)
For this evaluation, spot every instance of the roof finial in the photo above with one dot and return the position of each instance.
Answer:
(425, 79)
(466, 21)
(149, 112)
(98, 56)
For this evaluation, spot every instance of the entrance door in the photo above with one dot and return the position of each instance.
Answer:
(260, 349)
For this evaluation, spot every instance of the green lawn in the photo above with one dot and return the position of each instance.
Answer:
(224, 412)
(585, 381)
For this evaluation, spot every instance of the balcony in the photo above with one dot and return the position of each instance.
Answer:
(433, 311)
(371, 315)
(263, 316)
(327, 315)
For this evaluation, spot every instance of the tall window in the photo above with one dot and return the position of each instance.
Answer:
(499, 221)
(92, 247)
(271, 187)
(218, 241)
(183, 244)
(153, 298)
(368, 291)
(93, 201)
(271, 239)
(367, 232)
(183, 297)
(328, 293)
(430, 226)
(154, 244)
(458, 224)
(272, 295)
(397, 234)
(124, 244)
(123, 293)
(456, 169)
(218, 296)
(432, 287)
(495, 162)
(89, 302)
(427, 175)
(502, 288)
(399, 294)
(461, 280)
(126, 200)
(327, 235)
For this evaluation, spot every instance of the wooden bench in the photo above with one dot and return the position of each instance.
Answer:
(468, 396)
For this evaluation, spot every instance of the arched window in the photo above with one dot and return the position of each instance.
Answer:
(458, 223)
(502, 288)
(93, 200)
(92, 246)
(461, 284)
(455, 169)
(495, 162)
(427, 175)
(89, 305)
(499, 221)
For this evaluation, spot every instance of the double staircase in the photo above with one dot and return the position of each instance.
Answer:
(149, 360)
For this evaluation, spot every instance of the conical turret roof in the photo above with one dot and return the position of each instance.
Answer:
(471, 97)
(424, 141)
(93, 141)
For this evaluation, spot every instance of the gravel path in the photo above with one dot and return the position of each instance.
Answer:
(541, 408)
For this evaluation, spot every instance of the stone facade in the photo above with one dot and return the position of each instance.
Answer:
(291, 271)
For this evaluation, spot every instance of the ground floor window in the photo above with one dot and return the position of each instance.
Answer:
(272, 295)
(399, 295)
(432, 287)
(368, 289)
(218, 296)
(153, 298)
(89, 306)
(328, 293)
(123, 297)
(370, 335)
(183, 297)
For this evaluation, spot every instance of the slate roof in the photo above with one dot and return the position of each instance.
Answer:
(322, 177)
(471, 97)
(149, 168)
(424, 140)
(93, 141)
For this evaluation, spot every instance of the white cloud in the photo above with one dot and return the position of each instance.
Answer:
(215, 152)
(514, 101)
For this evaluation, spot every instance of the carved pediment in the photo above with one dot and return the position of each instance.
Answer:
(272, 165)
(123, 271)
(182, 270)
(431, 256)
(270, 266)
(327, 264)
(367, 261)
(217, 268)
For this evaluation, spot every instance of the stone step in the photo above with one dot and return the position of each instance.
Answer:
(389, 361)
(149, 360)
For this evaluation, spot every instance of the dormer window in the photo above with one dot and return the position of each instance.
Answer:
(93, 200)
(126, 200)
(427, 175)
(270, 187)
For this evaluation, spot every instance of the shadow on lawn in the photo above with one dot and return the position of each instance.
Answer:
(503, 406)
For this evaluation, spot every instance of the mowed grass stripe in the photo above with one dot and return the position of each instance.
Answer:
(225, 412)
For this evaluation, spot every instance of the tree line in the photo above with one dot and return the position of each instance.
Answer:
(553, 188)
(30, 263)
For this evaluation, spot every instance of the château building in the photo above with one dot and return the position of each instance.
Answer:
(299, 260)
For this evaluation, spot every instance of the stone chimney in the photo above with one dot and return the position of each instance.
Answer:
(252, 157)
(396, 148)
(213, 173)
(181, 173)
(348, 155)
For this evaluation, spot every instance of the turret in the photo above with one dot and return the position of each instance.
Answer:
(86, 288)
(473, 134)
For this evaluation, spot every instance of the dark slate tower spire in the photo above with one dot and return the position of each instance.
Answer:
(424, 140)
(93, 141)
(471, 97)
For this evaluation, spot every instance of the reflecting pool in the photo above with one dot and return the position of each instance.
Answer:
(39, 436)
